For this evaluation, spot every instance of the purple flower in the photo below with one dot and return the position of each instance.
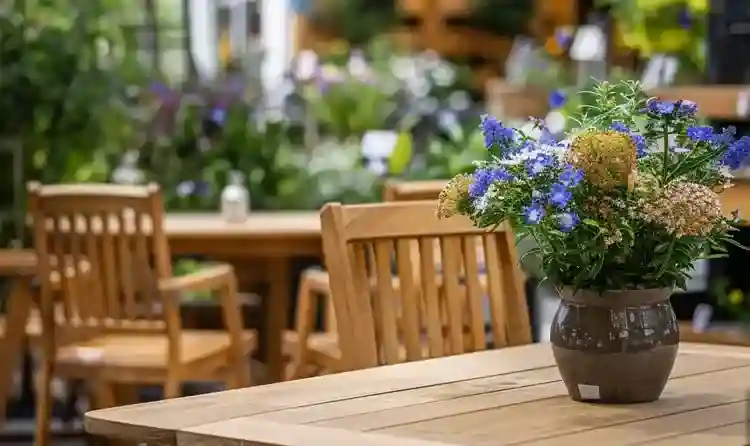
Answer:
(557, 99)
(687, 108)
(685, 19)
(563, 37)
(537, 165)
(571, 176)
(737, 153)
(567, 221)
(559, 195)
(495, 133)
(484, 178)
(700, 133)
(533, 214)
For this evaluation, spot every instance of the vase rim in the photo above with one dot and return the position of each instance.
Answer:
(611, 298)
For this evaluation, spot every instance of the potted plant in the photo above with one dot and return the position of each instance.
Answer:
(619, 211)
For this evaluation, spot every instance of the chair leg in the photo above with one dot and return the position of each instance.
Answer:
(305, 319)
(172, 388)
(44, 402)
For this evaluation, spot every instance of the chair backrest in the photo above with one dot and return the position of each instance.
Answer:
(375, 319)
(397, 190)
(106, 246)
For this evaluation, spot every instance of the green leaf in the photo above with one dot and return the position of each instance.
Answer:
(401, 155)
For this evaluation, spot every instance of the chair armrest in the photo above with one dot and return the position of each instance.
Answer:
(208, 279)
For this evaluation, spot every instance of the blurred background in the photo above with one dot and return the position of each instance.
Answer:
(302, 102)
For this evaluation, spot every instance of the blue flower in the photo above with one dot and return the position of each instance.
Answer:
(700, 133)
(218, 115)
(560, 196)
(557, 99)
(661, 109)
(484, 178)
(619, 127)
(495, 133)
(571, 176)
(537, 165)
(639, 140)
(533, 214)
(640, 145)
(567, 221)
(685, 19)
(737, 153)
(725, 137)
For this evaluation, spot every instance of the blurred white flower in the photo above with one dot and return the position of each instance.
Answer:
(459, 100)
(418, 87)
(357, 66)
(403, 68)
(555, 122)
(306, 65)
(428, 106)
(444, 75)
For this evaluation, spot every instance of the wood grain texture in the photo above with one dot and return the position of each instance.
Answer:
(511, 396)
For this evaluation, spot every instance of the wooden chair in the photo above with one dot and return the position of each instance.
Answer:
(431, 313)
(313, 352)
(126, 314)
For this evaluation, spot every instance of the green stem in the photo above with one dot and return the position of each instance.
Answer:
(665, 160)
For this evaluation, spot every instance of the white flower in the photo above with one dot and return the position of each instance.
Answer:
(444, 75)
(555, 122)
(459, 101)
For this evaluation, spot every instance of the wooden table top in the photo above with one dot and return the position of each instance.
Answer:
(261, 224)
(501, 397)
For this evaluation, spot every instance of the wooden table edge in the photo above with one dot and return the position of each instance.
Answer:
(110, 423)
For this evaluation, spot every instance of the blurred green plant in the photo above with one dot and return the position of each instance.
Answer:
(66, 66)
(355, 21)
(502, 17)
(453, 153)
(187, 266)
(671, 27)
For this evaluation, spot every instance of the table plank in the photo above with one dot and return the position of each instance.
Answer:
(159, 420)
(508, 396)
(727, 435)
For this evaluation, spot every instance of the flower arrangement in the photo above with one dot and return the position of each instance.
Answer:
(629, 200)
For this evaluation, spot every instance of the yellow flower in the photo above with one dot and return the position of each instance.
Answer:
(606, 157)
(650, 6)
(698, 6)
(456, 191)
(672, 40)
(736, 297)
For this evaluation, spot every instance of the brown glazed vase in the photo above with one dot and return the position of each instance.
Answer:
(615, 347)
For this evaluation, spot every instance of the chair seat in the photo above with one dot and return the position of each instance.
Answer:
(114, 354)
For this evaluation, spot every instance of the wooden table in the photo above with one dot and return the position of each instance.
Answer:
(274, 237)
(493, 398)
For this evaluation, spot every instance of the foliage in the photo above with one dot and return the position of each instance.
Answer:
(187, 266)
(502, 17)
(674, 27)
(453, 153)
(630, 200)
(356, 21)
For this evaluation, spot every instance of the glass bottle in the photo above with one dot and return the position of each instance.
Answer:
(235, 199)
(127, 172)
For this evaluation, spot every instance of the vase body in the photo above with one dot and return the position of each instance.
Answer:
(615, 347)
